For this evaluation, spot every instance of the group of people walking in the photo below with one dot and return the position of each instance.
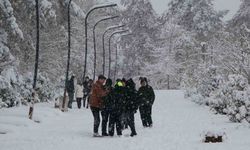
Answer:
(113, 106)
(80, 91)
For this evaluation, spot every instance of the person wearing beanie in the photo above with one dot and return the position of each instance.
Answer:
(131, 105)
(71, 90)
(146, 97)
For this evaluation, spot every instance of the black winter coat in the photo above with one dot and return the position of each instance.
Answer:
(107, 100)
(132, 103)
(146, 95)
(86, 87)
(116, 99)
(70, 86)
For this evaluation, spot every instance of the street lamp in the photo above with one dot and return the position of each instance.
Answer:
(94, 39)
(103, 44)
(86, 31)
(31, 109)
(114, 33)
(68, 61)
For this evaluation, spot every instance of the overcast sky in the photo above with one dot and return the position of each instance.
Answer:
(233, 5)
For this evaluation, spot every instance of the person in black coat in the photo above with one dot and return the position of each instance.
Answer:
(106, 106)
(116, 100)
(146, 97)
(86, 90)
(131, 105)
(71, 90)
(124, 118)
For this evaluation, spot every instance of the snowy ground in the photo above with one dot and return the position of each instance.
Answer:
(178, 125)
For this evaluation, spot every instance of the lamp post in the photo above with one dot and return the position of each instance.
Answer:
(94, 39)
(68, 61)
(31, 109)
(86, 32)
(113, 34)
(103, 43)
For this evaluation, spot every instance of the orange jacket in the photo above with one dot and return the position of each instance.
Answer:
(97, 93)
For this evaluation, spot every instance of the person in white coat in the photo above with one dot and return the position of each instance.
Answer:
(79, 95)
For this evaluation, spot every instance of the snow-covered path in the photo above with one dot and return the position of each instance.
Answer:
(178, 125)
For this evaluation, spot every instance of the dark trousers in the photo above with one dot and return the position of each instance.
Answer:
(124, 120)
(71, 98)
(105, 117)
(146, 112)
(79, 102)
(131, 122)
(96, 115)
(86, 101)
(115, 121)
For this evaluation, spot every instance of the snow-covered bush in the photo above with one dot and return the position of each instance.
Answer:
(231, 97)
(9, 82)
(16, 89)
(209, 82)
(9, 97)
(59, 86)
(235, 97)
(203, 86)
(192, 94)
(44, 88)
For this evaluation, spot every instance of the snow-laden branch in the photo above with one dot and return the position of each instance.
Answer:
(7, 9)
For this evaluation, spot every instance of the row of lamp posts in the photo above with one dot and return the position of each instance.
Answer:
(94, 40)
(69, 47)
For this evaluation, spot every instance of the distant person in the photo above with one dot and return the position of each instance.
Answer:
(131, 105)
(86, 90)
(106, 106)
(96, 102)
(71, 90)
(118, 96)
(79, 95)
(89, 87)
(146, 97)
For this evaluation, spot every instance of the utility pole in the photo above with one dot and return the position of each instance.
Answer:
(31, 109)
(68, 61)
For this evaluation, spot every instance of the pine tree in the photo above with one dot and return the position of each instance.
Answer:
(139, 48)
(198, 16)
(240, 26)
(243, 14)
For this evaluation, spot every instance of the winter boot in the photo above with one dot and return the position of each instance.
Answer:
(133, 134)
(105, 134)
(96, 135)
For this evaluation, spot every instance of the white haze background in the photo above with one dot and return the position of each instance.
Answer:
(231, 5)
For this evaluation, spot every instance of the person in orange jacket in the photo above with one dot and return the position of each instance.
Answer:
(96, 101)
